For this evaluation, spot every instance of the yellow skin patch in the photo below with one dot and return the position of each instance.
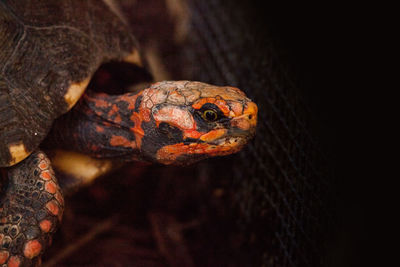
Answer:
(18, 152)
(75, 92)
(80, 166)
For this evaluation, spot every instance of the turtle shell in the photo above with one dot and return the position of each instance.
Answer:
(48, 52)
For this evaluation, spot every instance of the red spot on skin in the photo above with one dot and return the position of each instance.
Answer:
(99, 129)
(43, 165)
(4, 256)
(53, 207)
(45, 225)
(14, 261)
(121, 141)
(51, 187)
(45, 175)
(100, 103)
(32, 249)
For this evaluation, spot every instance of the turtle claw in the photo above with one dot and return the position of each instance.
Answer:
(30, 211)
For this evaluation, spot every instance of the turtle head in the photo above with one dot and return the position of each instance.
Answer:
(184, 121)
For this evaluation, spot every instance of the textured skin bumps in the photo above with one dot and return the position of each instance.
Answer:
(48, 52)
(30, 211)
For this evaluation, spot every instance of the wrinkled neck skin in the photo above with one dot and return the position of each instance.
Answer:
(101, 126)
(169, 123)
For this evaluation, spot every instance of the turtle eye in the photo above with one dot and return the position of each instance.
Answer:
(210, 115)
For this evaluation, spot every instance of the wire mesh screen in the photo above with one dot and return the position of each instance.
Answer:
(269, 205)
(280, 182)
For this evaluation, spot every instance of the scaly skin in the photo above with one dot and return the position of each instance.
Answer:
(165, 123)
(30, 211)
(169, 123)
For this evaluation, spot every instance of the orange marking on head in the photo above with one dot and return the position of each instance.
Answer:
(236, 107)
(43, 165)
(251, 109)
(53, 207)
(14, 261)
(99, 129)
(45, 175)
(4, 256)
(198, 104)
(45, 225)
(169, 154)
(213, 135)
(223, 106)
(51, 187)
(121, 141)
(32, 249)
(192, 134)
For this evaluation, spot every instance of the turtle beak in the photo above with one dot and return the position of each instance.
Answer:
(246, 123)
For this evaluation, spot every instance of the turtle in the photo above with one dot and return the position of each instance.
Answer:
(49, 52)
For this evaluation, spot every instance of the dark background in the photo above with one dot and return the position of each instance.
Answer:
(329, 49)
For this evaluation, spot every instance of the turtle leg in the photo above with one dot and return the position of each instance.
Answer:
(30, 211)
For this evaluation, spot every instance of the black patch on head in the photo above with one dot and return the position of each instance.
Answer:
(171, 132)
(204, 125)
(138, 102)
(158, 137)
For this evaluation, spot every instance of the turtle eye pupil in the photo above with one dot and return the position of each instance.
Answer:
(210, 115)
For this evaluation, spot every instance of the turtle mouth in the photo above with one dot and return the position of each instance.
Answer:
(234, 137)
(229, 141)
